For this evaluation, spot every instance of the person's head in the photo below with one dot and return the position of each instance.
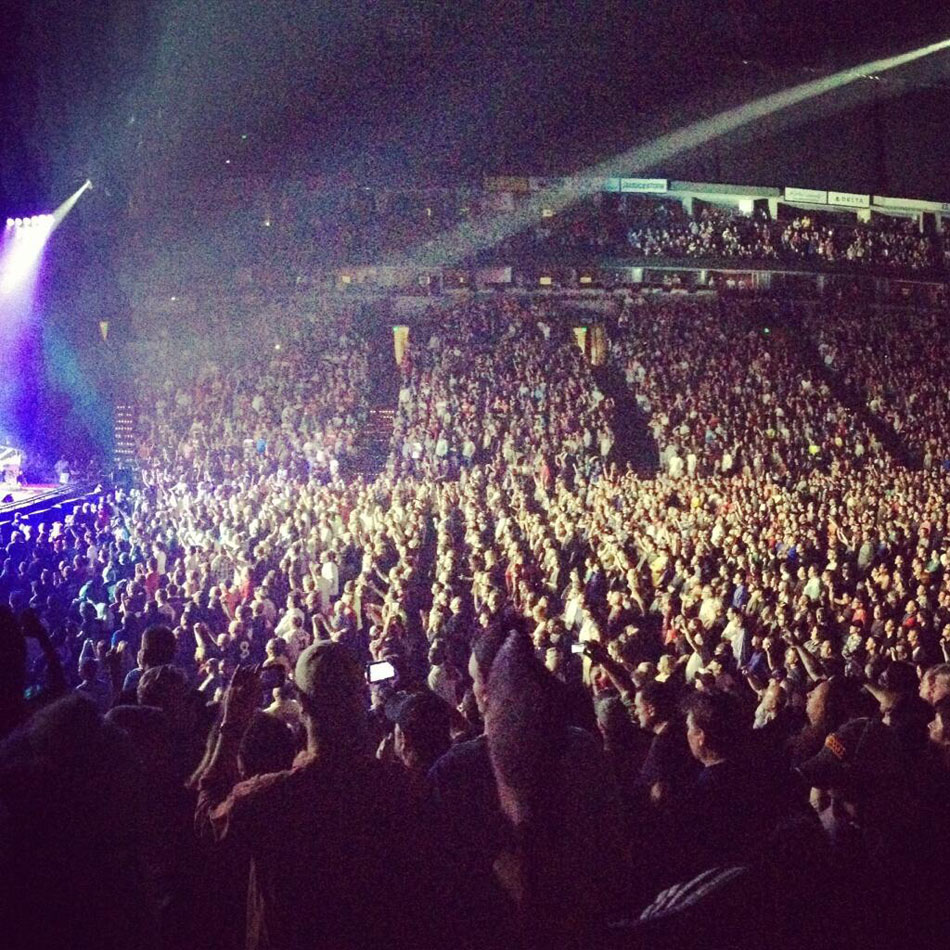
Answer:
(614, 723)
(715, 725)
(526, 725)
(438, 652)
(89, 669)
(484, 650)
(422, 731)
(166, 687)
(331, 688)
(939, 728)
(157, 648)
(935, 684)
(900, 678)
(655, 705)
(773, 700)
(856, 777)
(268, 746)
(828, 703)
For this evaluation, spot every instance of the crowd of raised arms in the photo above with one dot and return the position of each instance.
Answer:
(507, 692)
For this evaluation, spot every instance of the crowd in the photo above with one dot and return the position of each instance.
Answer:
(498, 380)
(895, 360)
(725, 391)
(515, 700)
(294, 401)
(663, 229)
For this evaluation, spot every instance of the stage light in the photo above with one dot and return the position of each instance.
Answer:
(19, 264)
(10, 223)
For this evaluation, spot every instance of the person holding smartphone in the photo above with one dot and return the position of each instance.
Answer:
(341, 854)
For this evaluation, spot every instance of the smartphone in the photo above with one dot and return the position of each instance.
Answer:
(380, 671)
(577, 648)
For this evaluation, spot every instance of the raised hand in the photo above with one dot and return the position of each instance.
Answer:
(242, 698)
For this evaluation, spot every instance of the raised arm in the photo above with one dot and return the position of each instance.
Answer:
(617, 672)
(34, 629)
(808, 661)
(221, 773)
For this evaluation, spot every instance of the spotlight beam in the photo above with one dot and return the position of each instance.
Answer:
(24, 245)
(490, 230)
(70, 203)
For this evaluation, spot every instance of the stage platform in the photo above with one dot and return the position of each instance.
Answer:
(35, 501)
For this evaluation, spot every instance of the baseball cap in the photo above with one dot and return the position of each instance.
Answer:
(328, 669)
(859, 754)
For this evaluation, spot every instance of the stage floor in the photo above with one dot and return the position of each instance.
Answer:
(24, 493)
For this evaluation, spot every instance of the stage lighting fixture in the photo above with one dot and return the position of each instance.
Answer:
(18, 223)
(10, 223)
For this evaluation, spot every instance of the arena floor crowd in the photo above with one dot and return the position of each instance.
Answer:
(506, 692)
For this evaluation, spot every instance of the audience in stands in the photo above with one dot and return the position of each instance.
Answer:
(496, 382)
(895, 361)
(726, 393)
(655, 228)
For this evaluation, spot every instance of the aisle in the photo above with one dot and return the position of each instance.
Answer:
(634, 443)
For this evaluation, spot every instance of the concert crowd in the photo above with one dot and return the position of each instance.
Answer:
(636, 226)
(506, 692)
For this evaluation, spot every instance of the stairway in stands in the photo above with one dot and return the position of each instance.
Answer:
(849, 397)
(124, 436)
(634, 443)
(374, 441)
